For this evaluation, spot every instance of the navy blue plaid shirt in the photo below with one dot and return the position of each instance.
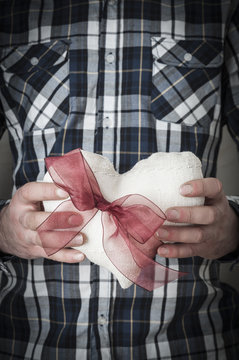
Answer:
(123, 79)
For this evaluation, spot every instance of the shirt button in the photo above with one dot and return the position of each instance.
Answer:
(102, 320)
(34, 60)
(106, 122)
(110, 58)
(188, 57)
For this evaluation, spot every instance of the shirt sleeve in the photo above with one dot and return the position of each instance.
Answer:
(230, 110)
(2, 129)
(2, 121)
(3, 257)
(230, 96)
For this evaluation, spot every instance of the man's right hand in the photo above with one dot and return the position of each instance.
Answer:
(20, 219)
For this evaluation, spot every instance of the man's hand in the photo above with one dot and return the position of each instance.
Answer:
(213, 230)
(20, 219)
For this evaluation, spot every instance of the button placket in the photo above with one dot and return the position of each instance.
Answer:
(108, 61)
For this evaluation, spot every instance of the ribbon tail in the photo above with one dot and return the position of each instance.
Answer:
(152, 275)
(130, 260)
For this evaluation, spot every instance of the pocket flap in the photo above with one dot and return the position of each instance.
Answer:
(28, 58)
(187, 53)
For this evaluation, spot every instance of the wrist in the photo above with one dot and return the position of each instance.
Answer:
(233, 256)
(3, 203)
(3, 251)
(235, 207)
(4, 255)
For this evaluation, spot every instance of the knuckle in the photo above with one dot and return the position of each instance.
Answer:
(189, 216)
(36, 239)
(199, 235)
(219, 185)
(171, 234)
(202, 188)
(48, 190)
(198, 187)
(62, 220)
(24, 191)
(26, 221)
(61, 258)
(180, 236)
(191, 251)
(211, 215)
(23, 219)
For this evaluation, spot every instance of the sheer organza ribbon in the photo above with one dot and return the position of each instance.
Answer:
(129, 223)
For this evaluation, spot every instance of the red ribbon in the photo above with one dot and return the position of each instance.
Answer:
(129, 223)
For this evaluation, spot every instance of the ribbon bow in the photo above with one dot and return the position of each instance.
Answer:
(129, 223)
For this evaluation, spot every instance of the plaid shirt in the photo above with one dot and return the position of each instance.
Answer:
(123, 79)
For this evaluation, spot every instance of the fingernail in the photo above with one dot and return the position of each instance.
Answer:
(79, 257)
(78, 240)
(163, 251)
(75, 220)
(172, 215)
(186, 189)
(61, 193)
(162, 233)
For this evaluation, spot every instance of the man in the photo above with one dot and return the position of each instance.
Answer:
(123, 79)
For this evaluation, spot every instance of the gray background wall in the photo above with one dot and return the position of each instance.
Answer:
(228, 173)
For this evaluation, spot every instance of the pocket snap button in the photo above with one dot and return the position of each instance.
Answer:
(34, 60)
(188, 57)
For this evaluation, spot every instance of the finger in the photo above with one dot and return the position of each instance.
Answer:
(67, 256)
(32, 219)
(63, 255)
(182, 234)
(202, 215)
(78, 240)
(52, 241)
(177, 250)
(208, 187)
(59, 220)
(40, 191)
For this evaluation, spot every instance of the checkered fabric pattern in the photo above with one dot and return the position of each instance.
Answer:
(123, 79)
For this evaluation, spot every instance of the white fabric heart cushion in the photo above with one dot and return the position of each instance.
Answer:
(158, 178)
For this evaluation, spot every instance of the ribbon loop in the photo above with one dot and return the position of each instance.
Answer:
(129, 223)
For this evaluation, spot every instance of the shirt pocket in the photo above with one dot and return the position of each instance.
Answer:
(36, 82)
(186, 77)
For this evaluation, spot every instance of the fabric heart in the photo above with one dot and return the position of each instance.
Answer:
(157, 179)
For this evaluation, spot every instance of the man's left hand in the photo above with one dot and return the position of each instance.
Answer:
(213, 229)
